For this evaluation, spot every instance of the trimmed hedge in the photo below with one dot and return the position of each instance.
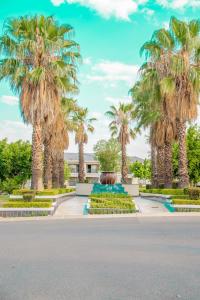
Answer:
(164, 191)
(25, 204)
(110, 195)
(50, 192)
(107, 211)
(180, 197)
(186, 209)
(185, 202)
(35, 200)
(194, 193)
(111, 204)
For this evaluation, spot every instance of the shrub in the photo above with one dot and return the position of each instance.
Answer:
(164, 191)
(20, 191)
(9, 185)
(25, 204)
(194, 193)
(110, 195)
(111, 203)
(35, 200)
(28, 197)
(50, 192)
(185, 202)
(180, 197)
(187, 209)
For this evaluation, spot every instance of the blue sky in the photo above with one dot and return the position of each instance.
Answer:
(110, 34)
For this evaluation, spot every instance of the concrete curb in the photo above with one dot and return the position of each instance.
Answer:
(89, 217)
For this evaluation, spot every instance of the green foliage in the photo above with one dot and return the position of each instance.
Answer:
(193, 154)
(67, 171)
(112, 196)
(111, 203)
(194, 193)
(141, 170)
(28, 197)
(15, 164)
(164, 191)
(25, 204)
(50, 192)
(9, 184)
(35, 200)
(185, 202)
(179, 197)
(108, 155)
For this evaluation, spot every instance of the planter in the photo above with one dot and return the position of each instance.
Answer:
(108, 178)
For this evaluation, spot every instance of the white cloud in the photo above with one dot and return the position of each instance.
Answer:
(13, 130)
(10, 100)
(175, 4)
(116, 100)
(120, 9)
(148, 11)
(113, 71)
(87, 61)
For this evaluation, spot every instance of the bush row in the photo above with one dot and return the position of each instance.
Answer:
(50, 192)
(105, 211)
(113, 204)
(186, 202)
(35, 200)
(163, 191)
(111, 195)
(186, 209)
(25, 204)
(100, 200)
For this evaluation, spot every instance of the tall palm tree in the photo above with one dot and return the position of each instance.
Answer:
(122, 117)
(151, 112)
(38, 60)
(174, 55)
(82, 125)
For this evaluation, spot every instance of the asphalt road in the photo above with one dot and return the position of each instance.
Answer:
(104, 259)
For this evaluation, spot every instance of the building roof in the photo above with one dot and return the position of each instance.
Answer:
(91, 157)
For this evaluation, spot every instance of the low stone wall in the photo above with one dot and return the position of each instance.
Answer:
(85, 189)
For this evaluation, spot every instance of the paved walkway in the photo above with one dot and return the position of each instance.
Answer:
(74, 207)
(146, 206)
(71, 207)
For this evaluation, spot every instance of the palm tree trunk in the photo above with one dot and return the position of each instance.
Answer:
(183, 163)
(154, 179)
(47, 166)
(61, 170)
(124, 171)
(161, 166)
(37, 157)
(168, 165)
(81, 173)
(55, 172)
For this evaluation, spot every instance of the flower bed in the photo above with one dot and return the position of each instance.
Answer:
(111, 204)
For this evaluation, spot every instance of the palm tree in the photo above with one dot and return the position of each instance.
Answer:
(122, 116)
(151, 112)
(82, 125)
(174, 55)
(39, 58)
